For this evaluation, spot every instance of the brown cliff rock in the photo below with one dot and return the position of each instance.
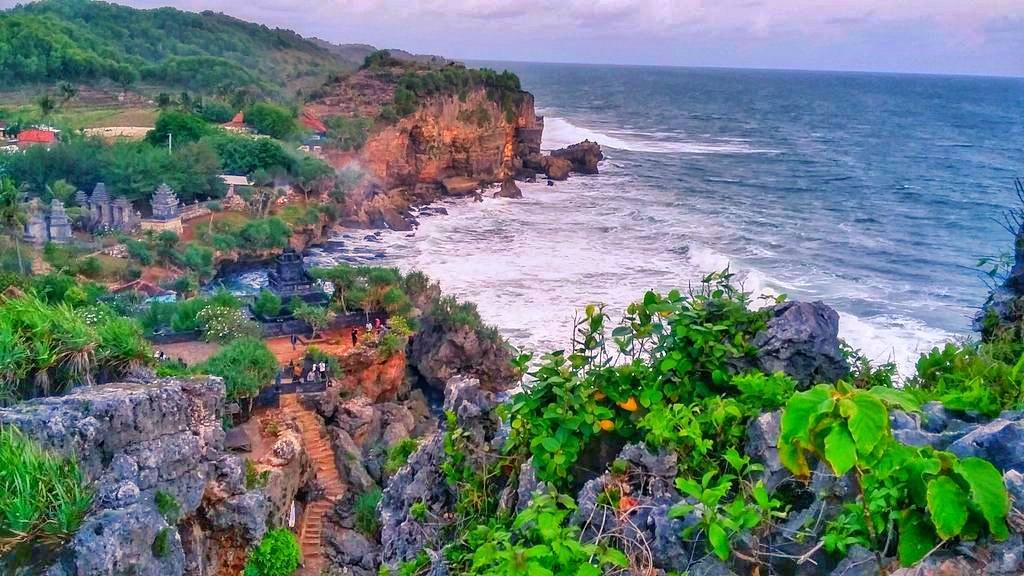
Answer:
(583, 156)
(509, 190)
(366, 374)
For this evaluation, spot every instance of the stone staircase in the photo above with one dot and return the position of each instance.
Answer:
(318, 446)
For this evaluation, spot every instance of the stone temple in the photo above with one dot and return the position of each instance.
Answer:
(289, 279)
(166, 211)
(104, 214)
(54, 226)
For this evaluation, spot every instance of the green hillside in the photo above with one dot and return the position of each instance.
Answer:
(83, 41)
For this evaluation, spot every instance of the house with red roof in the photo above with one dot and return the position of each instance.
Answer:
(237, 124)
(36, 136)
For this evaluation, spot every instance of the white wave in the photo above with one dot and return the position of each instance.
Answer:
(559, 133)
(891, 338)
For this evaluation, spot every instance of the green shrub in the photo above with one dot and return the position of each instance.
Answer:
(246, 365)
(277, 555)
(226, 324)
(43, 496)
(399, 454)
(267, 304)
(272, 120)
(983, 377)
(366, 513)
(254, 479)
(162, 542)
(167, 505)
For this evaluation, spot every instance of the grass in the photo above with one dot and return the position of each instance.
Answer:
(43, 496)
(366, 513)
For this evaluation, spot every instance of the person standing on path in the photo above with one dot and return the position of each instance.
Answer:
(355, 336)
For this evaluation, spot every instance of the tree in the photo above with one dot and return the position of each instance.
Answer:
(12, 217)
(163, 100)
(183, 127)
(61, 190)
(46, 105)
(272, 120)
(68, 91)
(316, 316)
(342, 277)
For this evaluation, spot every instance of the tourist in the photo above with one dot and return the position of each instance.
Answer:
(277, 380)
(376, 325)
(294, 339)
(355, 336)
(323, 370)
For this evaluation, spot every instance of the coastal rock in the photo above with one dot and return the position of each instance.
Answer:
(509, 190)
(439, 351)
(366, 373)
(557, 168)
(460, 186)
(134, 439)
(1000, 441)
(583, 156)
(802, 340)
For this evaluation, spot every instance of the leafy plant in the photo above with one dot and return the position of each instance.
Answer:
(922, 495)
(167, 505)
(267, 304)
(161, 543)
(246, 366)
(254, 478)
(277, 555)
(399, 454)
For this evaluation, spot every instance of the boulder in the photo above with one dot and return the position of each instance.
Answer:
(583, 156)
(1000, 441)
(132, 440)
(439, 351)
(557, 168)
(460, 185)
(802, 340)
(509, 190)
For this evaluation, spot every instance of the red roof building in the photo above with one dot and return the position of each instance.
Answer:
(36, 136)
(237, 124)
(309, 120)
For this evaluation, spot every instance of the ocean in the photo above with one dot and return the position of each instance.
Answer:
(875, 193)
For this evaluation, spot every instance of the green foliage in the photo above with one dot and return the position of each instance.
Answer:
(540, 541)
(45, 346)
(366, 513)
(81, 41)
(985, 377)
(161, 543)
(927, 495)
(167, 505)
(43, 496)
(226, 324)
(317, 317)
(398, 455)
(277, 555)
(348, 133)
(245, 364)
(267, 304)
(255, 479)
(216, 112)
(241, 154)
(272, 120)
(182, 127)
(502, 88)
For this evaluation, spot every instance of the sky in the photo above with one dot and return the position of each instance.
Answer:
(925, 36)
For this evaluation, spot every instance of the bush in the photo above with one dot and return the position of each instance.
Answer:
(162, 542)
(246, 365)
(167, 505)
(277, 555)
(399, 454)
(183, 127)
(272, 120)
(366, 513)
(43, 496)
(267, 304)
(224, 324)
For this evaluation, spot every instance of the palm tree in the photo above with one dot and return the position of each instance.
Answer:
(12, 216)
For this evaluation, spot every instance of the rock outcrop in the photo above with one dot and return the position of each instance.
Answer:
(365, 373)
(509, 189)
(439, 352)
(583, 156)
(1004, 309)
(802, 340)
(135, 440)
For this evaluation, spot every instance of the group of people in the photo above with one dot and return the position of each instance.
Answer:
(318, 372)
(377, 327)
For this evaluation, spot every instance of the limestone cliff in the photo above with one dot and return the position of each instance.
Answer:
(136, 440)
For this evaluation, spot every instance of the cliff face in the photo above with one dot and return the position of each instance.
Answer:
(448, 138)
(135, 440)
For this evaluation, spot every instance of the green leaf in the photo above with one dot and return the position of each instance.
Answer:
(616, 557)
(897, 398)
(947, 505)
(801, 410)
(719, 541)
(793, 458)
(840, 450)
(588, 570)
(988, 492)
(867, 418)
(551, 444)
(916, 538)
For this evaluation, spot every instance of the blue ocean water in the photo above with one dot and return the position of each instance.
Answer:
(875, 193)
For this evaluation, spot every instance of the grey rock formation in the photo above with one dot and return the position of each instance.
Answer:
(439, 352)
(509, 189)
(1000, 441)
(583, 156)
(131, 441)
(802, 340)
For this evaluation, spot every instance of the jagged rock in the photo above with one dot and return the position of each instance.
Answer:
(421, 479)
(763, 447)
(509, 190)
(460, 185)
(352, 549)
(1001, 442)
(583, 156)
(802, 340)
(131, 440)
(859, 561)
(348, 458)
(439, 352)
(237, 439)
(710, 567)
(557, 168)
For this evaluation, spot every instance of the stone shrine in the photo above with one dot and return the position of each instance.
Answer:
(41, 228)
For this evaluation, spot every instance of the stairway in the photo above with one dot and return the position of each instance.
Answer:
(318, 446)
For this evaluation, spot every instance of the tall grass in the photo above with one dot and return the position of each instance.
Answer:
(43, 496)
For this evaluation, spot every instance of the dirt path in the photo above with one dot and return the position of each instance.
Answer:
(314, 438)
(335, 343)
